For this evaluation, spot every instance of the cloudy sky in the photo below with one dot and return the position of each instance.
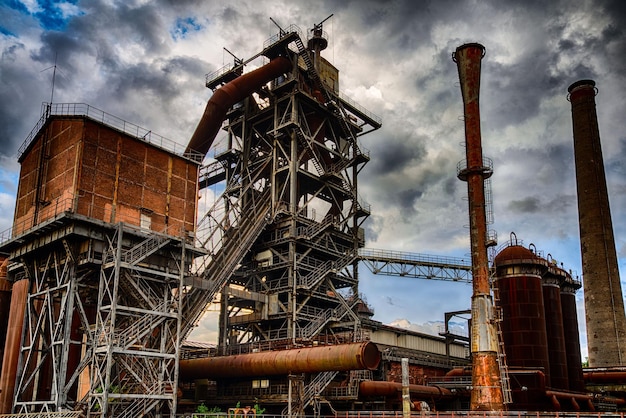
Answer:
(145, 61)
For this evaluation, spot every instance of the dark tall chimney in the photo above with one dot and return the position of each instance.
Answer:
(604, 304)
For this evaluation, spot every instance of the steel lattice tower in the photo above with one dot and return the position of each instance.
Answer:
(292, 158)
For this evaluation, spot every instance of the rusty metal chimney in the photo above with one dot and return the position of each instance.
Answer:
(604, 304)
(486, 392)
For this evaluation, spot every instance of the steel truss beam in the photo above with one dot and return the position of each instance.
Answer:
(419, 266)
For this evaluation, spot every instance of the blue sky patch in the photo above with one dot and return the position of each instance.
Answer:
(7, 32)
(51, 14)
(185, 26)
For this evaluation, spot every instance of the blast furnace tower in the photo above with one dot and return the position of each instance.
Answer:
(290, 165)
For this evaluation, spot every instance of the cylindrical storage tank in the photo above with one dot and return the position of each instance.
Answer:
(19, 298)
(551, 282)
(572, 335)
(519, 290)
(356, 356)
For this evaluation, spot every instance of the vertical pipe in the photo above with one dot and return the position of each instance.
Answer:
(604, 304)
(486, 392)
(19, 298)
(406, 397)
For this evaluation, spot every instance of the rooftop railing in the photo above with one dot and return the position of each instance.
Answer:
(82, 109)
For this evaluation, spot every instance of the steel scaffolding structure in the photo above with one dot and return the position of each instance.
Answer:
(108, 307)
(138, 327)
(292, 146)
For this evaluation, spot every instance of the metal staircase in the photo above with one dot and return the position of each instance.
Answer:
(316, 157)
(312, 279)
(144, 249)
(310, 68)
(316, 228)
(312, 390)
(329, 315)
(219, 266)
(139, 408)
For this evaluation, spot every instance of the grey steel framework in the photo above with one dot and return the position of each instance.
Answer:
(60, 289)
(134, 370)
(291, 198)
(105, 300)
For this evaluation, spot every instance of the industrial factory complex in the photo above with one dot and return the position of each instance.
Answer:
(110, 265)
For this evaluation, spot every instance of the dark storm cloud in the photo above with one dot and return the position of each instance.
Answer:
(546, 204)
(15, 118)
(518, 89)
(395, 155)
(616, 163)
(159, 79)
(92, 43)
(407, 198)
(529, 204)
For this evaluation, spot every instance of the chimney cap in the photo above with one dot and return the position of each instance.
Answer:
(471, 45)
(581, 83)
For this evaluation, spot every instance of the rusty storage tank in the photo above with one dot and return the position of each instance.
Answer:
(569, 287)
(519, 290)
(551, 284)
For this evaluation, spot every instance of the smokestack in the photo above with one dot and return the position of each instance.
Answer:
(604, 304)
(486, 392)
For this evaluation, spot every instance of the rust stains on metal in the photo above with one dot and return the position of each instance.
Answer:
(486, 384)
(356, 356)
(486, 392)
(12, 348)
(378, 388)
(518, 280)
(229, 94)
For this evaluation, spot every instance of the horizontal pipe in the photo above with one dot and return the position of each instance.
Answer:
(228, 95)
(605, 376)
(459, 371)
(383, 388)
(344, 357)
(569, 395)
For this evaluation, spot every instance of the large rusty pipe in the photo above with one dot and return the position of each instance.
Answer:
(229, 94)
(356, 356)
(605, 376)
(421, 392)
(604, 304)
(19, 298)
(486, 392)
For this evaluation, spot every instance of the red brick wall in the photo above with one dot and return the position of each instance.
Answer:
(113, 177)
